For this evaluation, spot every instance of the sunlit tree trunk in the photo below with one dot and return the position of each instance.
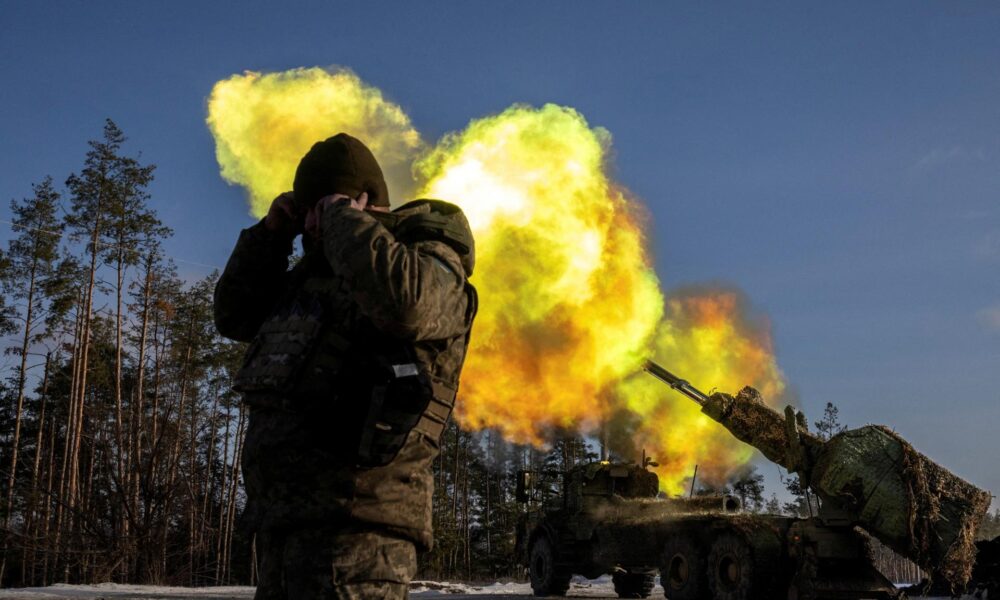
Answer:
(31, 523)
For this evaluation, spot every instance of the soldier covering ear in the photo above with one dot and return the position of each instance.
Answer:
(350, 376)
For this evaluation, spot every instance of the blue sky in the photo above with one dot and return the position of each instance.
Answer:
(838, 162)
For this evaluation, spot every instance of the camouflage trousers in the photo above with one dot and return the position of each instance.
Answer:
(310, 564)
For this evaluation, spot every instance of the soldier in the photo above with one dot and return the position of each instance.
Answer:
(350, 376)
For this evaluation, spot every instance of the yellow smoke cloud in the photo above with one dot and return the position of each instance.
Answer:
(570, 304)
(568, 298)
(264, 123)
(708, 337)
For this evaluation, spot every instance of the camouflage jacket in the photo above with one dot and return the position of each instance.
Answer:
(362, 284)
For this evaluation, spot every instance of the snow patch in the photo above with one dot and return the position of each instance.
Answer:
(601, 587)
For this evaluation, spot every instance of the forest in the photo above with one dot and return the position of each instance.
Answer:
(120, 435)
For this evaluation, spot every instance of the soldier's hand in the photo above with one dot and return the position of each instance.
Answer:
(315, 216)
(283, 216)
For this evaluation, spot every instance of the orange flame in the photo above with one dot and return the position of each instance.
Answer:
(709, 338)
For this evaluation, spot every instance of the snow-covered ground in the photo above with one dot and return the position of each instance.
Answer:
(580, 588)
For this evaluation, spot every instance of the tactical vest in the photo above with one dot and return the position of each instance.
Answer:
(340, 371)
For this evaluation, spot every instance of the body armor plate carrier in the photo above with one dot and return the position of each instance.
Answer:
(367, 386)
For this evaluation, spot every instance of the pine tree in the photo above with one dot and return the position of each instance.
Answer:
(32, 261)
(801, 504)
(125, 442)
(773, 506)
(749, 487)
(829, 425)
(131, 226)
(6, 310)
(990, 528)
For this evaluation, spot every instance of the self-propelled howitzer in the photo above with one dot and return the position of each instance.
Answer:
(869, 476)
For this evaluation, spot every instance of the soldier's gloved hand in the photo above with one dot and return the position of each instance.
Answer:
(315, 217)
(283, 217)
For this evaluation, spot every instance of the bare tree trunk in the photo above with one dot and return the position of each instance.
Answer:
(138, 405)
(175, 452)
(465, 513)
(158, 350)
(222, 527)
(85, 501)
(208, 489)
(46, 519)
(489, 520)
(192, 484)
(15, 442)
(119, 450)
(234, 486)
(64, 487)
(153, 464)
(73, 492)
(31, 520)
(454, 479)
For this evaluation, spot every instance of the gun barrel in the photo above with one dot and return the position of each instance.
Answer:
(675, 382)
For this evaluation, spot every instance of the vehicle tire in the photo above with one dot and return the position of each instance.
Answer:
(546, 578)
(731, 569)
(682, 570)
(634, 585)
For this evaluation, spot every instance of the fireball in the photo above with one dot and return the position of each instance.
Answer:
(570, 305)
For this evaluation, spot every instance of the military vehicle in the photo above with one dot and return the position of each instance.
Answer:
(607, 517)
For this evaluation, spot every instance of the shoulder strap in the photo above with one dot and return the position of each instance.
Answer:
(435, 417)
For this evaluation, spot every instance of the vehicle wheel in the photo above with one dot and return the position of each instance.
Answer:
(633, 585)
(731, 569)
(682, 570)
(546, 578)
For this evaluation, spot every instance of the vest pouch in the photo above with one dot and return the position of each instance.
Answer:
(398, 399)
(277, 353)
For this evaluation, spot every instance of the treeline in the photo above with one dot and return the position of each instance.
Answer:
(119, 435)
(475, 510)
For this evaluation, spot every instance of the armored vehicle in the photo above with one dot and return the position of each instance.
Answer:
(608, 518)
(869, 478)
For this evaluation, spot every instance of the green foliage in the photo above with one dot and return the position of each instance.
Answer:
(804, 504)
(990, 527)
(108, 195)
(829, 425)
(7, 312)
(772, 506)
(748, 486)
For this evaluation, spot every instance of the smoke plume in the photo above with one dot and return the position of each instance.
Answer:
(570, 303)
(264, 122)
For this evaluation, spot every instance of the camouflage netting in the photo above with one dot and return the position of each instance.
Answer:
(751, 421)
(911, 504)
(901, 497)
